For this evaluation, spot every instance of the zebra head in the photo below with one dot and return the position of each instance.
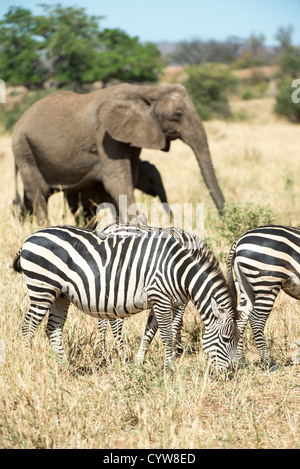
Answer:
(221, 335)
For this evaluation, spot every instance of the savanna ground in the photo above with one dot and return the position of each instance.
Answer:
(116, 405)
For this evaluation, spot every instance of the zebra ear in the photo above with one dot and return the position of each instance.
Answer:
(217, 311)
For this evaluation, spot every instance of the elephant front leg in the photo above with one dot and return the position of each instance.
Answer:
(116, 164)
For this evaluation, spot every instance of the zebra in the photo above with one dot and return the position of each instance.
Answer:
(190, 242)
(265, 260)
(108, 276)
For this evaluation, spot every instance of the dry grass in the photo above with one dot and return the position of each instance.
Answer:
(120, 405)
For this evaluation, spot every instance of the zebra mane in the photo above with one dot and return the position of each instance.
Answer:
(189, 240)
(208, 260)
(197, 248)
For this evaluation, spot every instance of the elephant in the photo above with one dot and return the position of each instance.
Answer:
(71, 141)
(149, 181)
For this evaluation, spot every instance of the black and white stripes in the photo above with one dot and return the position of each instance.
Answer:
(193, 244)
(265, 260)
(110, 276)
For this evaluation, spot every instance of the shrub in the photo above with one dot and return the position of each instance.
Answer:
(239, 218)
(209, 85)
(289, 64)
(284, 104)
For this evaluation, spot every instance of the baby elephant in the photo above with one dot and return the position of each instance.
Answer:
(149, 181)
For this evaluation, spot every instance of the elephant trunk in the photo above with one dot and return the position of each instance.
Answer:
(198, 143)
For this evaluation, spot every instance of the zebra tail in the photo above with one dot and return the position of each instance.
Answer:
(230, 260)
(16, 262)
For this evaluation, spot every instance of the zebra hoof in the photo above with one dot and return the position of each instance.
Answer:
(269, 365)
(179, 351)
(104, 360)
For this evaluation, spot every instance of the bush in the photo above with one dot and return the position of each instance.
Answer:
(289, 70)
(239, 218)
(284, 104)
(209, 85)
(66, 44)
(289, 62)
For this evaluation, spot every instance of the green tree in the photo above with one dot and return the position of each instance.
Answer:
(209, 86)
(20, 61)
(289, 63)
(284, 105)
(284, 36)
(81, 53)
(124, 58)
(197, 51)
(67, 45)
(70, 39)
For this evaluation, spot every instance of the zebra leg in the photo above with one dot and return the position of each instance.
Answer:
(116, 326)
(163, 315)
(177, 324)
(245, 308)
(258, 318)
(102, 326)
(151, 329)
(56, 321)
(149, 333)
(34, 316)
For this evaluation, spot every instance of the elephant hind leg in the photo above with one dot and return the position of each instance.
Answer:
(35, 203)
(36, 190)
(17, 204)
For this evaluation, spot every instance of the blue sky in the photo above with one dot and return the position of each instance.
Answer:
(176, 20)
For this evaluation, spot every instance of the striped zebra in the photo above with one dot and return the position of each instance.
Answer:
(193, 244)
(264, 260)
(108, 276)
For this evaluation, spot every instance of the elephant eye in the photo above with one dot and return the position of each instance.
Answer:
(147, 101)
(177, 116)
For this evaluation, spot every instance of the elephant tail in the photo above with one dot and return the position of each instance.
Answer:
(17, 202)
(16, 262)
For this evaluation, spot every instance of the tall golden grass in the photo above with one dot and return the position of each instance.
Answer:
(116, 405)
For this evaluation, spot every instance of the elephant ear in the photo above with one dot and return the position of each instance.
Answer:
(132, 121)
